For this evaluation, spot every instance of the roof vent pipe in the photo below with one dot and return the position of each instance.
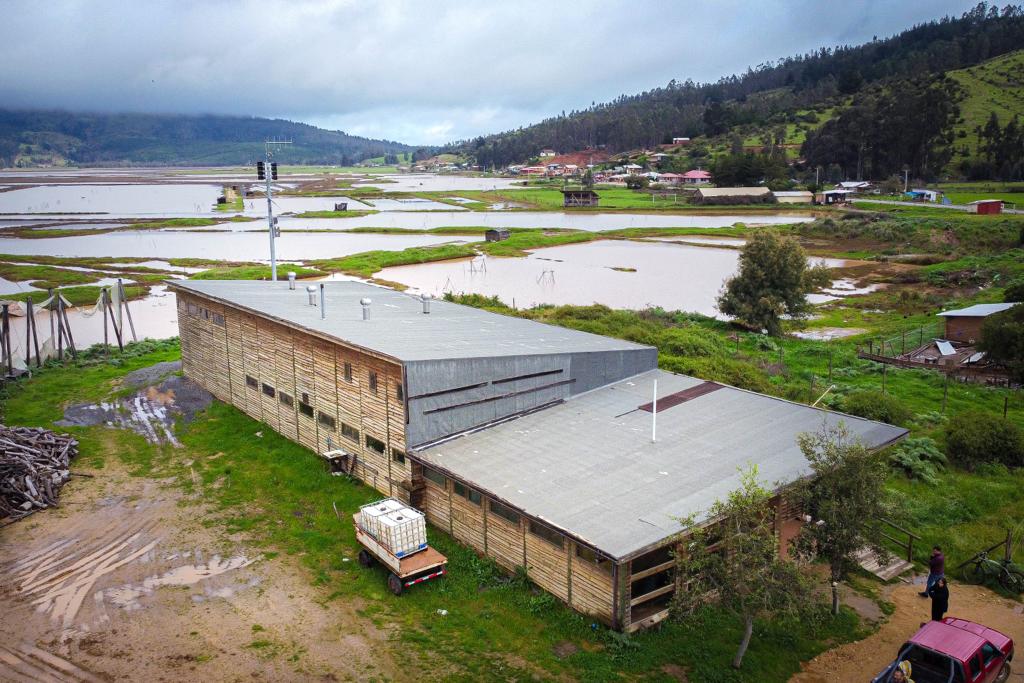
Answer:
(291, 279)
(311, 292)
(426, 302)
(323, 303)
(366, 308)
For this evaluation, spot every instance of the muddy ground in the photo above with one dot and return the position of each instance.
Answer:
(123, 582)
(862, 660)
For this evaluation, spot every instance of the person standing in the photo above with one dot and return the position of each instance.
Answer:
(939, 594)
(936, 569)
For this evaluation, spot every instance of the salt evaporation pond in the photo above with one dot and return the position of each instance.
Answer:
(671, 276)
(112, 200)
(224, 246)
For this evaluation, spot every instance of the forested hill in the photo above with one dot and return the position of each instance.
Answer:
(54, 137)
(770, 94)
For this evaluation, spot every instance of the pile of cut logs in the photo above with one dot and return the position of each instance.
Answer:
(34, 465)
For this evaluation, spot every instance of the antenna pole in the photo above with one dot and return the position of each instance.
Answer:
(654, 414)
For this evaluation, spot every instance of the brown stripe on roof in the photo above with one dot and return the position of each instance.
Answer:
(666, 402)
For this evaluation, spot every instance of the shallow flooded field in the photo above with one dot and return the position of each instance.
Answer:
(619, 274)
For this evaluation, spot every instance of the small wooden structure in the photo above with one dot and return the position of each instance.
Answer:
(964, 324)
(496, 235)
(988, 206)
(579, 197)
(341, 206)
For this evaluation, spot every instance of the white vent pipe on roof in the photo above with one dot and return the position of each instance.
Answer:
(291, 279)
(323, 303)
(311, 292)
(426, 302)
(366, 307)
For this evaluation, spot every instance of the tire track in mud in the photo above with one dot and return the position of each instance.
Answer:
(26, 663)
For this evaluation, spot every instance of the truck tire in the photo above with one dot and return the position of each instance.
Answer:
(1004, 673)
(364, 559)
(395, 584)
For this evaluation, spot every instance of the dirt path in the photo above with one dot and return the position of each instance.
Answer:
(863, 659)
(124, 582)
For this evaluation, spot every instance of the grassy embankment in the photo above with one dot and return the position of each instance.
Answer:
(277, 496)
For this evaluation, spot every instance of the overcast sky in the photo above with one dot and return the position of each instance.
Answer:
(418, 71)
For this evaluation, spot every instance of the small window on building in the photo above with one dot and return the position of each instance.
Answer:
(325, 420)
(305, 409)
(588, 555)
(286, 399)
(268, 390)
(436, 477)
(399, 392)
(349, 432)
(206, 314)
(398, 456)
(193, 309)
(547, 533)
(373, 382)
(218, 319)
(375, 444)
(468, 493)
(251, 382)
(348, 372)
(504, 511)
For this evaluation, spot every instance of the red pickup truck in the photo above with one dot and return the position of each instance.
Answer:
(954, 651)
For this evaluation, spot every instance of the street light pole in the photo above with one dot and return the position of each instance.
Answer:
(271, 228)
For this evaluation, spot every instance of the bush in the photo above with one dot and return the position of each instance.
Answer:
(874, 405)
(919, 458)
(975, 437)
(1014, 292)
(691, 341)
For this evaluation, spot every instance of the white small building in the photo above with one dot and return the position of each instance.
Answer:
(794, 197)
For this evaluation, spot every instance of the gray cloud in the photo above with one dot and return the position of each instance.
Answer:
(422, 72)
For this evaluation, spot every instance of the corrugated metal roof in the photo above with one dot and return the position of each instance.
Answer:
(588, 466)
(978, 310)
(733, 191)
(397, 326)
(793, 193)
(945, 348)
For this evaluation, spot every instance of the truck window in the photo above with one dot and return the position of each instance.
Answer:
(989, 652)
(977, 667)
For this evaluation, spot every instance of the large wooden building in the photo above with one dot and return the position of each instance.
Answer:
(532, 444)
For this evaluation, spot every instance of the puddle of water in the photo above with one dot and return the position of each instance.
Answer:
(414, 204)
(828, 333)
(461, 200)
(672, 276)
(701, 239)
(166, 266)
(127, 596)
(257, 206)
(11, 287)
(120, 200)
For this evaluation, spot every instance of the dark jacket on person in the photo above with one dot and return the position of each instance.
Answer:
(940, 601)
(937, 564)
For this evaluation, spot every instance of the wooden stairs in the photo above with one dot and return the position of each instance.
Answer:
(890, 570)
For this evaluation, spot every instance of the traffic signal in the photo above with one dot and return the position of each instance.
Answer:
(261, 170)
(273, 170)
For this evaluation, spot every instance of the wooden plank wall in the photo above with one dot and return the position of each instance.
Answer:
(505, 541)
(548, 566)
(468, 523)
(436, 506)
(220, 356)
(591, 587)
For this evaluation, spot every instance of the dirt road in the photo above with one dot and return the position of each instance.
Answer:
(859, 661)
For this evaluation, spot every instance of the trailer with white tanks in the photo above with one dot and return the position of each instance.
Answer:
(395, 535)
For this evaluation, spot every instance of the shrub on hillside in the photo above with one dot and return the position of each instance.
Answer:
(874, 405)
(719, 369)
(919, 458)
(1014, 292)
(691, 341)
(976, 437)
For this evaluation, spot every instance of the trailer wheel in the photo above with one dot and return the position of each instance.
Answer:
(364, 559)
(395, 584)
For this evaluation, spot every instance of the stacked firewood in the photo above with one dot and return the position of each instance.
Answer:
(34, 465)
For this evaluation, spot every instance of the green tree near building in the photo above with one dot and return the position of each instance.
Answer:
(773, 281)
(1002, 338)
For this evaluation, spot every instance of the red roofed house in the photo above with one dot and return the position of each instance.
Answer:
(696, 177)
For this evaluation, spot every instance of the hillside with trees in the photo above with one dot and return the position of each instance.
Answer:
(57, 138)
(783, 103)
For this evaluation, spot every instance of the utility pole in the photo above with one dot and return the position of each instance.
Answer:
(906, 179)
(268, 171)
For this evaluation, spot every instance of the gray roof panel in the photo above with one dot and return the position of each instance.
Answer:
(588, 466)
(397, 326)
